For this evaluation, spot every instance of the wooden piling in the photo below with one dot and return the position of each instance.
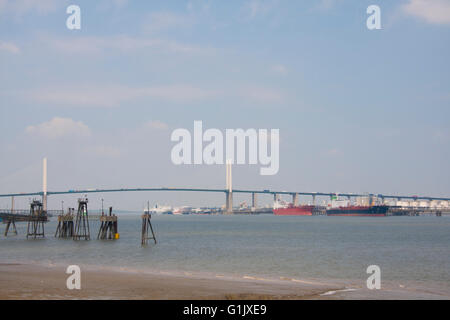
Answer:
(81, 229)
(146, 225)
(36, 220)
(8, 224)
(108, 227)
(65, 225)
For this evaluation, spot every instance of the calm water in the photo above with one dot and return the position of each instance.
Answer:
(405, 248)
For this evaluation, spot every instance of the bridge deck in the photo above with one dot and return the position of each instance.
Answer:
(272, 192)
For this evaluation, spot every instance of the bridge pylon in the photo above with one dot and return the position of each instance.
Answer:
(229, 191)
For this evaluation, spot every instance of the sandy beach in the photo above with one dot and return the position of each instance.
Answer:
(20, 281)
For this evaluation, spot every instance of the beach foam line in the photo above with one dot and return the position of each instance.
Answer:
(300, 281)
(329, 293)
(306, 282)
(255, 278)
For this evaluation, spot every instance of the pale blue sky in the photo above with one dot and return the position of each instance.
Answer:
(358, 110)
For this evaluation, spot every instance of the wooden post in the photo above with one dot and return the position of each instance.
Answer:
(82, 230)
(108, 227)
(65, 225)
(36, 220)
(146, 225)
(11, 221)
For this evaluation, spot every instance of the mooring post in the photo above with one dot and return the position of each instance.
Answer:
(65, 225)
(108, 227)
(82, 230)
(9, 223)
(36, 220)
(146, 224)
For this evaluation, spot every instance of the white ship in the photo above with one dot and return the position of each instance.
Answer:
(157, 209)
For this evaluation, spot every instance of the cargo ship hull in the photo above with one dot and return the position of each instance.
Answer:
(359, 211)
(294, 211)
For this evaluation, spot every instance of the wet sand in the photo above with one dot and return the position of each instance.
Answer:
(20, 281)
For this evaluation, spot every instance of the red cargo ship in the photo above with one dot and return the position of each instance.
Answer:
(304, 210)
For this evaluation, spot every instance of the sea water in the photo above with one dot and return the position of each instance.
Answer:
(298, 247)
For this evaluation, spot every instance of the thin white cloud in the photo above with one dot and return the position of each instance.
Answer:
(259, 8)
(9, 47)
(119, 3)
(262, 95)
(161, 21)
(115, 95)
(103, 151)
(279, 69)
(334, 152)
(92, 45)
(432, 11)
(325, 4)
(58, 128)
(22, 7)
(157, 125)
(108, 96)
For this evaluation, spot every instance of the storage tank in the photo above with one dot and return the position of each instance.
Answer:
(424, 204)
(362, 201)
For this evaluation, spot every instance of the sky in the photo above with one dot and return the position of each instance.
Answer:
(358, 110)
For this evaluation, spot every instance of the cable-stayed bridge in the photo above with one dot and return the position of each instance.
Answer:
(228, 191)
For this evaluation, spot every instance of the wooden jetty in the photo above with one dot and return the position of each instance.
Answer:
(108, 228)
(8, 224)
(81, 228)
(65, 225)
(38, 217)
(417, 211)
(35, 217)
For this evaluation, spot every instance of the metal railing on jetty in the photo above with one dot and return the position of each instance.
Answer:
(417, 211)
(24, 215)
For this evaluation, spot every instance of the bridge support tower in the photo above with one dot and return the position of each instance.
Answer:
(229, 191)
(254, 200)
(295, 199)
